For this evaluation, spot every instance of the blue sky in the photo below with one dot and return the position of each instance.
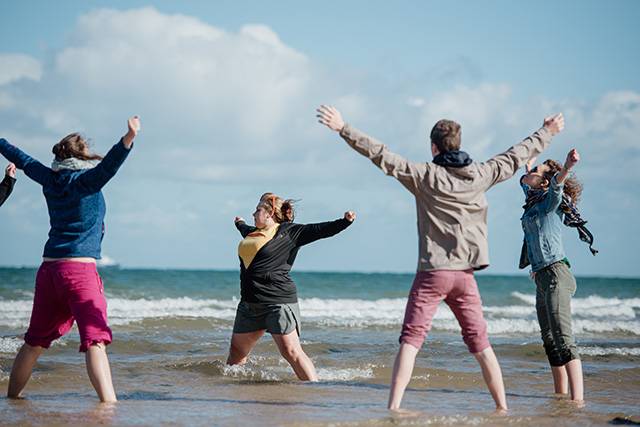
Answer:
(226, 92)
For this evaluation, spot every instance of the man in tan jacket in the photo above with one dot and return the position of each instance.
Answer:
(452, 232)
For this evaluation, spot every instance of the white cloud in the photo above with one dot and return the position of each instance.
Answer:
(481, 111)
(228, 115)
(14, 67)
(416, 101)
(196, 73)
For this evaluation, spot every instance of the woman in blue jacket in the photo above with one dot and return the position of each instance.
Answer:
(68, 287)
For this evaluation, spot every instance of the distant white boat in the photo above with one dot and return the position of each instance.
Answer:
(108, 262)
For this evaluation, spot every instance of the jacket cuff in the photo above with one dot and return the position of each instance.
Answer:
(124, 147)
(545, 133)
(555, 185)
(345, 222)
(347, 131)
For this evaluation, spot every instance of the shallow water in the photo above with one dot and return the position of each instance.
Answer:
(171, 333)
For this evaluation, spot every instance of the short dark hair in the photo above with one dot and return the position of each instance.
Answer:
(446, 135)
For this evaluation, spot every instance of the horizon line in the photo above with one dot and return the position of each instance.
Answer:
(372, 272)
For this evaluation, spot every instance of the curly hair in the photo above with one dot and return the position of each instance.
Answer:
(281, 210)
(572, 187)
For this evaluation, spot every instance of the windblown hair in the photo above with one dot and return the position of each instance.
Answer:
(446, 135)
(73, 145)
(281, 210)
(572, 187)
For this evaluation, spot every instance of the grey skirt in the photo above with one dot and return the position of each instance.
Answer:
(280, 319)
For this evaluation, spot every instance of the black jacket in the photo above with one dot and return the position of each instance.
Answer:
(267, 279)
(6, 187)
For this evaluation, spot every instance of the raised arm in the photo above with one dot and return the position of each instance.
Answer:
(6, 186)
(242, 227)
(31, 167)
(308, 233)
(409, 174)
(556, 188)
(94, 179)
(573, 157)
(505, 165)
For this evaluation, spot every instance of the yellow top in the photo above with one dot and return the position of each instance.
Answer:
(250, 245)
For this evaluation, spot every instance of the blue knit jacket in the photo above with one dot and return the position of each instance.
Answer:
(74, 200)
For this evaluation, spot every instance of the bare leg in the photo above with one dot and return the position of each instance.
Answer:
(492, 376)
(241, 346)
(560, 382)
(402, 370)
(291, 350)
(574, 372)
(22, 367)
(100, 372)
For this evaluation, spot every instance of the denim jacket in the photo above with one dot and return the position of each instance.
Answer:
(542, 226)
(74, 200)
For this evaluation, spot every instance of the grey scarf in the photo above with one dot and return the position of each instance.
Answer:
(73, 164)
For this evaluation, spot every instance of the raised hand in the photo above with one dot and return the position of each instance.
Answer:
(554, 124)
(11, 170)
(529, 166)
(330, 117)
(133, 125)
(238, 219)
(572, 158)
(350, 216)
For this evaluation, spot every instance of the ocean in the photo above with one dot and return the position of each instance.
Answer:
(172, 328)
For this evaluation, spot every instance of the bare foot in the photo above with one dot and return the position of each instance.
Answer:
(18, 397)
(501, 410)
(404, 413)
(578, 403)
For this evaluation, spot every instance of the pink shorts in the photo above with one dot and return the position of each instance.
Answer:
(460, 291)
(68, 291)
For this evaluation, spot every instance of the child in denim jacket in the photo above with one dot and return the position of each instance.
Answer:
(551, 198)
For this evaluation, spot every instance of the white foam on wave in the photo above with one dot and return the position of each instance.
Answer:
(353, 312)
(592, 314)
(609, 351)
(15, 313)
(345, 374)
(10, 345)
(249, 372)
(123, 311)
(594, 306)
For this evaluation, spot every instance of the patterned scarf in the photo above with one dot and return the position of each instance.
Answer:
(572, 218)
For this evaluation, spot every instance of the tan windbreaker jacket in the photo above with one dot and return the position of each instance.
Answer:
(450, 202)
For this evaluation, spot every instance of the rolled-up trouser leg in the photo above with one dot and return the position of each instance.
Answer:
(555, 285)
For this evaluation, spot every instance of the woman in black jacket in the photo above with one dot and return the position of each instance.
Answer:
(269, 300)
(6, 186)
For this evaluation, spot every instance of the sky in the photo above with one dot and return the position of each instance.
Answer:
(227, 91)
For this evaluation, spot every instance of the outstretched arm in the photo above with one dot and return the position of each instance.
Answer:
(392, 164)
(308, 233)
(242, 227)
(6, 186)
(31, 167)
(505, 165)
(94, 179)
(556, 187)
